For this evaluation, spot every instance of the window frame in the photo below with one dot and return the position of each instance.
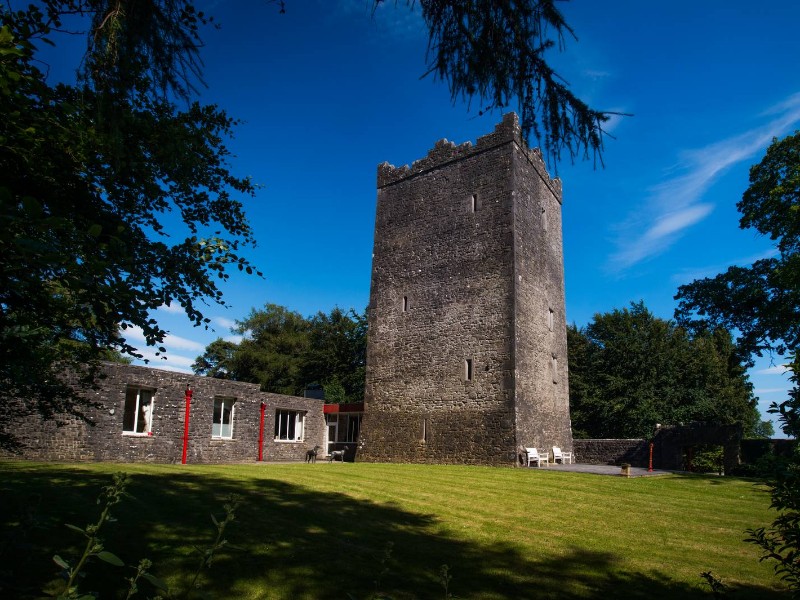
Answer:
(138, 412)
(298, 427)
(223, 400)
(352, 427)
(469, 370)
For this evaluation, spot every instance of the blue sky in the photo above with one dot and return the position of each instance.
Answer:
(326, 92)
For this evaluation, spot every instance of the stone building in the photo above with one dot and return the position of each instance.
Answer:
(138, 414)
(467, 356)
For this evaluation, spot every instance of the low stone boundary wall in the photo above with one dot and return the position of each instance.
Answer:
(611, 452)
(753, 450)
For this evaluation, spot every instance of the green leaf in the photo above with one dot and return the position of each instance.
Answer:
(74, 528)
(61, 562)
(95, 230)
(155, 581)
(110, 558)
(214, 519)
(31, 206)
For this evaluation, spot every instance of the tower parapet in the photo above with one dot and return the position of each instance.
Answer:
(444, 151)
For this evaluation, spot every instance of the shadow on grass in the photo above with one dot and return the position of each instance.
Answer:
(295, 543)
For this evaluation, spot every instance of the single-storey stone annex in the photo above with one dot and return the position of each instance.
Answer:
(141, 414)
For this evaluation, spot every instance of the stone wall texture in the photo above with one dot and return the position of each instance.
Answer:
(97, 434)
(466, 358)
(612, 452)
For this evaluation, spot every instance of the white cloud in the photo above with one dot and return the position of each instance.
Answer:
(775, 370)
(762, 391)
(673, 205)
(614, 120)
(236, 339)
(689, 275)
(224, 322)
(171, 341)
(170, 362)
(174, 308)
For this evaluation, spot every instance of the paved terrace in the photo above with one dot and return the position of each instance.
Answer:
(601, 469)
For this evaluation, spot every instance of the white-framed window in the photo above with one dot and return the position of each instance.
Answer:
(222, 425)
(289, 425)
(138, 416)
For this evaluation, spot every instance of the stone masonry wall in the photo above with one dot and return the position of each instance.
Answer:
(542, 391)
(441, 351)
(98, 435)
(611, 452)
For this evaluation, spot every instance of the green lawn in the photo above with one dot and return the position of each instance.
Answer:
(319, 531)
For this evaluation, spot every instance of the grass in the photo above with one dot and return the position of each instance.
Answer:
(319, 531)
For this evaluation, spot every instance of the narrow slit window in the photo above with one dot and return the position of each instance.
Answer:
(424, 430)
(555, 369)
(473, 203)
(550, 319)
(405, 303)
(544, 219)
(468, 369)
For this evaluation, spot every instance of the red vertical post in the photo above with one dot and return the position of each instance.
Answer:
(650, 466)
(186, 423)
(261, 434)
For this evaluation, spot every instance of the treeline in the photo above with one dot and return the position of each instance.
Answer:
(287, 353)
(629, 370)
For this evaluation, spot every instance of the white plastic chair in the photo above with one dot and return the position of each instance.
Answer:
(533, 455)
(558, 455)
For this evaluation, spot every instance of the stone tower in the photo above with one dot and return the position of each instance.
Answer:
(467, 350)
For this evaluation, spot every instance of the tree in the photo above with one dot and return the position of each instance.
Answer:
(763, 303)
(337, 355)
(286, 353)
(780, 541)
(88, 173)
(273, 349)
(218, 360)
(494, 51)
(630, 370)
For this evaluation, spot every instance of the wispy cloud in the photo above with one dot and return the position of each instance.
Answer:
(615, 119)
(764, 391)
(776, 370)
(224, 322)
(172, 308)
(171, 342)
(674, 204)
(236, 339)
(170, 362)
(389, 19)
(689, 275)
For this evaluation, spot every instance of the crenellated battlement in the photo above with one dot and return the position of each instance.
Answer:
(445, 151)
